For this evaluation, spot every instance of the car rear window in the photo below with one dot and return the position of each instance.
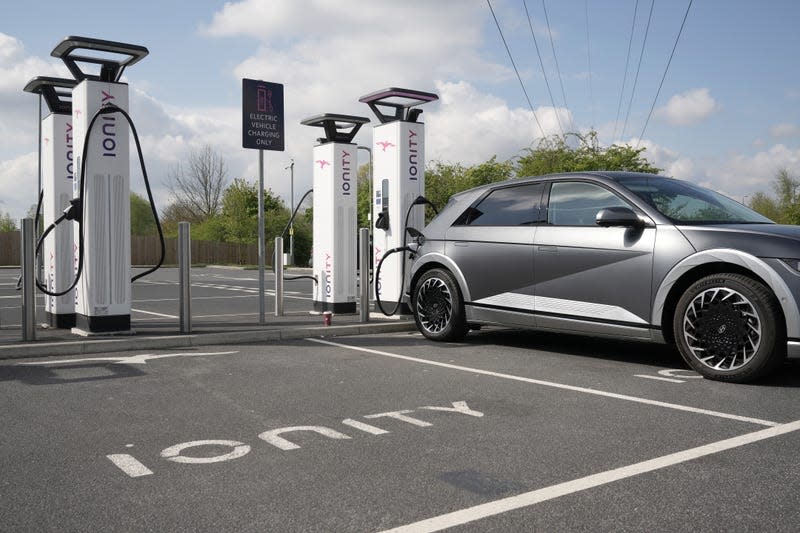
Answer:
(507, 206)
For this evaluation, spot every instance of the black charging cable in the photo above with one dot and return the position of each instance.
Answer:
(420, 200)
(75, 210)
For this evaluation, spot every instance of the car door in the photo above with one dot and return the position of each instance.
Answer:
(492, 245)
(589, 278)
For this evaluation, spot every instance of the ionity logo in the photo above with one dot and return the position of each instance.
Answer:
(384, 145)
(322, 163)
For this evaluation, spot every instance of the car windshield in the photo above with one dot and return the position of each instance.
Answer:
(686, 203)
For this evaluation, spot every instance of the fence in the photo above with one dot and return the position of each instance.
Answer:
(146, 250)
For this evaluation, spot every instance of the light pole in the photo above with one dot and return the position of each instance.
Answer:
(291, 211)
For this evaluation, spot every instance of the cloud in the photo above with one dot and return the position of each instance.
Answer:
(688, 108)
(470, 126)
(780, 131)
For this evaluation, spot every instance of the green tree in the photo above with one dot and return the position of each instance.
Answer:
(553, 154)
(785, 209)
(142, 221)
(364, 199)
(7, 223)
(443, 180)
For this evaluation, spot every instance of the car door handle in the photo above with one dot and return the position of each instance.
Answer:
(460, 243)
(546, 248)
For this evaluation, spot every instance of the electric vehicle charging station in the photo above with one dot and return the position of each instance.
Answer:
(398, 179)
(57, 167)
(103, 293)
(335, 212)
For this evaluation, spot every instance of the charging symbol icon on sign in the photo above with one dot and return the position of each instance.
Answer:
(264, 95)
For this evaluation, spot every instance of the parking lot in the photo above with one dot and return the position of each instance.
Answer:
(507, 431)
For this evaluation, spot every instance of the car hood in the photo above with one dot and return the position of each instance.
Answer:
(761, 240)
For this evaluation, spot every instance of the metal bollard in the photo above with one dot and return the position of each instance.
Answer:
(28, 295)
(278, 276)
(363, 261)
(184, 276)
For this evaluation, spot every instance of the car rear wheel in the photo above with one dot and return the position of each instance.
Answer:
(728, 327)
(438, 306)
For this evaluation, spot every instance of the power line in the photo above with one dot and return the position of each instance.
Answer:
(658, 92)
(589, 57)
(555, 58)
(541, 64)
(638, 67)
(627, 64)
(515, 67)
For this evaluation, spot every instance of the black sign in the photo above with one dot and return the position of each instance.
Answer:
(262, 115)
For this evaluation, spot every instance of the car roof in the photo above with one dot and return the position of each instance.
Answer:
(613, 175)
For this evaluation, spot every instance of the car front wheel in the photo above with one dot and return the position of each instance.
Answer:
(438, 306)
(729, 327)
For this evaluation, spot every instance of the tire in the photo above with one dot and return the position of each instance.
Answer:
(729, 327)
(439, 307)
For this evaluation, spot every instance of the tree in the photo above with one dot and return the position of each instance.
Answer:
(142, 221)
(442, 180)
(785, 209)
(553, 154)
(7, 223)
(198, 186)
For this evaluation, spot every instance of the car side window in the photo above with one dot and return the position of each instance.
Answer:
(507, 206)
(576, 203)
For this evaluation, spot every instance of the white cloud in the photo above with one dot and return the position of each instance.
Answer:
(780, 131)
(470, 126)
(691, 107)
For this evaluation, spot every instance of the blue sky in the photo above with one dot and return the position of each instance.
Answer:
(727, 116)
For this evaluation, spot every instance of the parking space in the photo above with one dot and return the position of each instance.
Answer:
(219, 295)
(506, 431)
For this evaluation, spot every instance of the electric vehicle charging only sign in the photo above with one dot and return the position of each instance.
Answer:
(262, 115)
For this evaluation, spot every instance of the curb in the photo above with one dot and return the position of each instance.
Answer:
(82, 347)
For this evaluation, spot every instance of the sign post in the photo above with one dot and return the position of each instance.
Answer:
(262, 129)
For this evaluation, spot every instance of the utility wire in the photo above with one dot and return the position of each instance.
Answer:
(627, 64)
(658, 92)
(515, 67)
(541, 64)
(589, 57)
(553, 46)
(638, 67)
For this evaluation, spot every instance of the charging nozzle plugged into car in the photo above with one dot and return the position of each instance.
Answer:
(419, 239)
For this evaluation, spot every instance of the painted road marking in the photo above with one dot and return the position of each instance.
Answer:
(670, 375)
(562, 386)
(134, 468)
(129, 465)
(658, 378)
(173, 453)
(140, 359)
(527, 499)
(153, 313)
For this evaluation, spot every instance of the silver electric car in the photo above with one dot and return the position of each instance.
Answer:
(626, 255)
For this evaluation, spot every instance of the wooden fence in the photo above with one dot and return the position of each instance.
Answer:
(146, 250)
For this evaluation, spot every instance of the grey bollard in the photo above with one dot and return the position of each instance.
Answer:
(278, 276)
(363, 261)
(27, 247)
(184, 276)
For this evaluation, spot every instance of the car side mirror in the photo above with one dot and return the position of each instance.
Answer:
(618, 216)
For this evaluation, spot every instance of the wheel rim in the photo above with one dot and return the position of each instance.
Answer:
(722, 329)
(434, 305)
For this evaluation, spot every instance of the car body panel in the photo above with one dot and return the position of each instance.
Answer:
(609, 281)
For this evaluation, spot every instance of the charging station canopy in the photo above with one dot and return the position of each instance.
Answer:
(262, 115)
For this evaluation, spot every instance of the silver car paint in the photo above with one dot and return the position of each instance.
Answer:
(570, 282)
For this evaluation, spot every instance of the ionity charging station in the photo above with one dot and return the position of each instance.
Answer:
(57, 170)
(398, 179)
(102, 296)
(335, 216)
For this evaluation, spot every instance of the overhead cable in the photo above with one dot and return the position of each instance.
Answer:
(513, 64)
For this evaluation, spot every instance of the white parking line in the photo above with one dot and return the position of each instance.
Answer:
(153, 313)
(562, 386)
(671, 380)
(527, 499)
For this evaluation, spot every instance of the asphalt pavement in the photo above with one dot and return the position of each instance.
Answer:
(295, 426)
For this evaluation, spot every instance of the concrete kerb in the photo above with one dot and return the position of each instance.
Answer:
(104, 345)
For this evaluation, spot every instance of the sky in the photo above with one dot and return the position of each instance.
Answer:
(726, 116)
